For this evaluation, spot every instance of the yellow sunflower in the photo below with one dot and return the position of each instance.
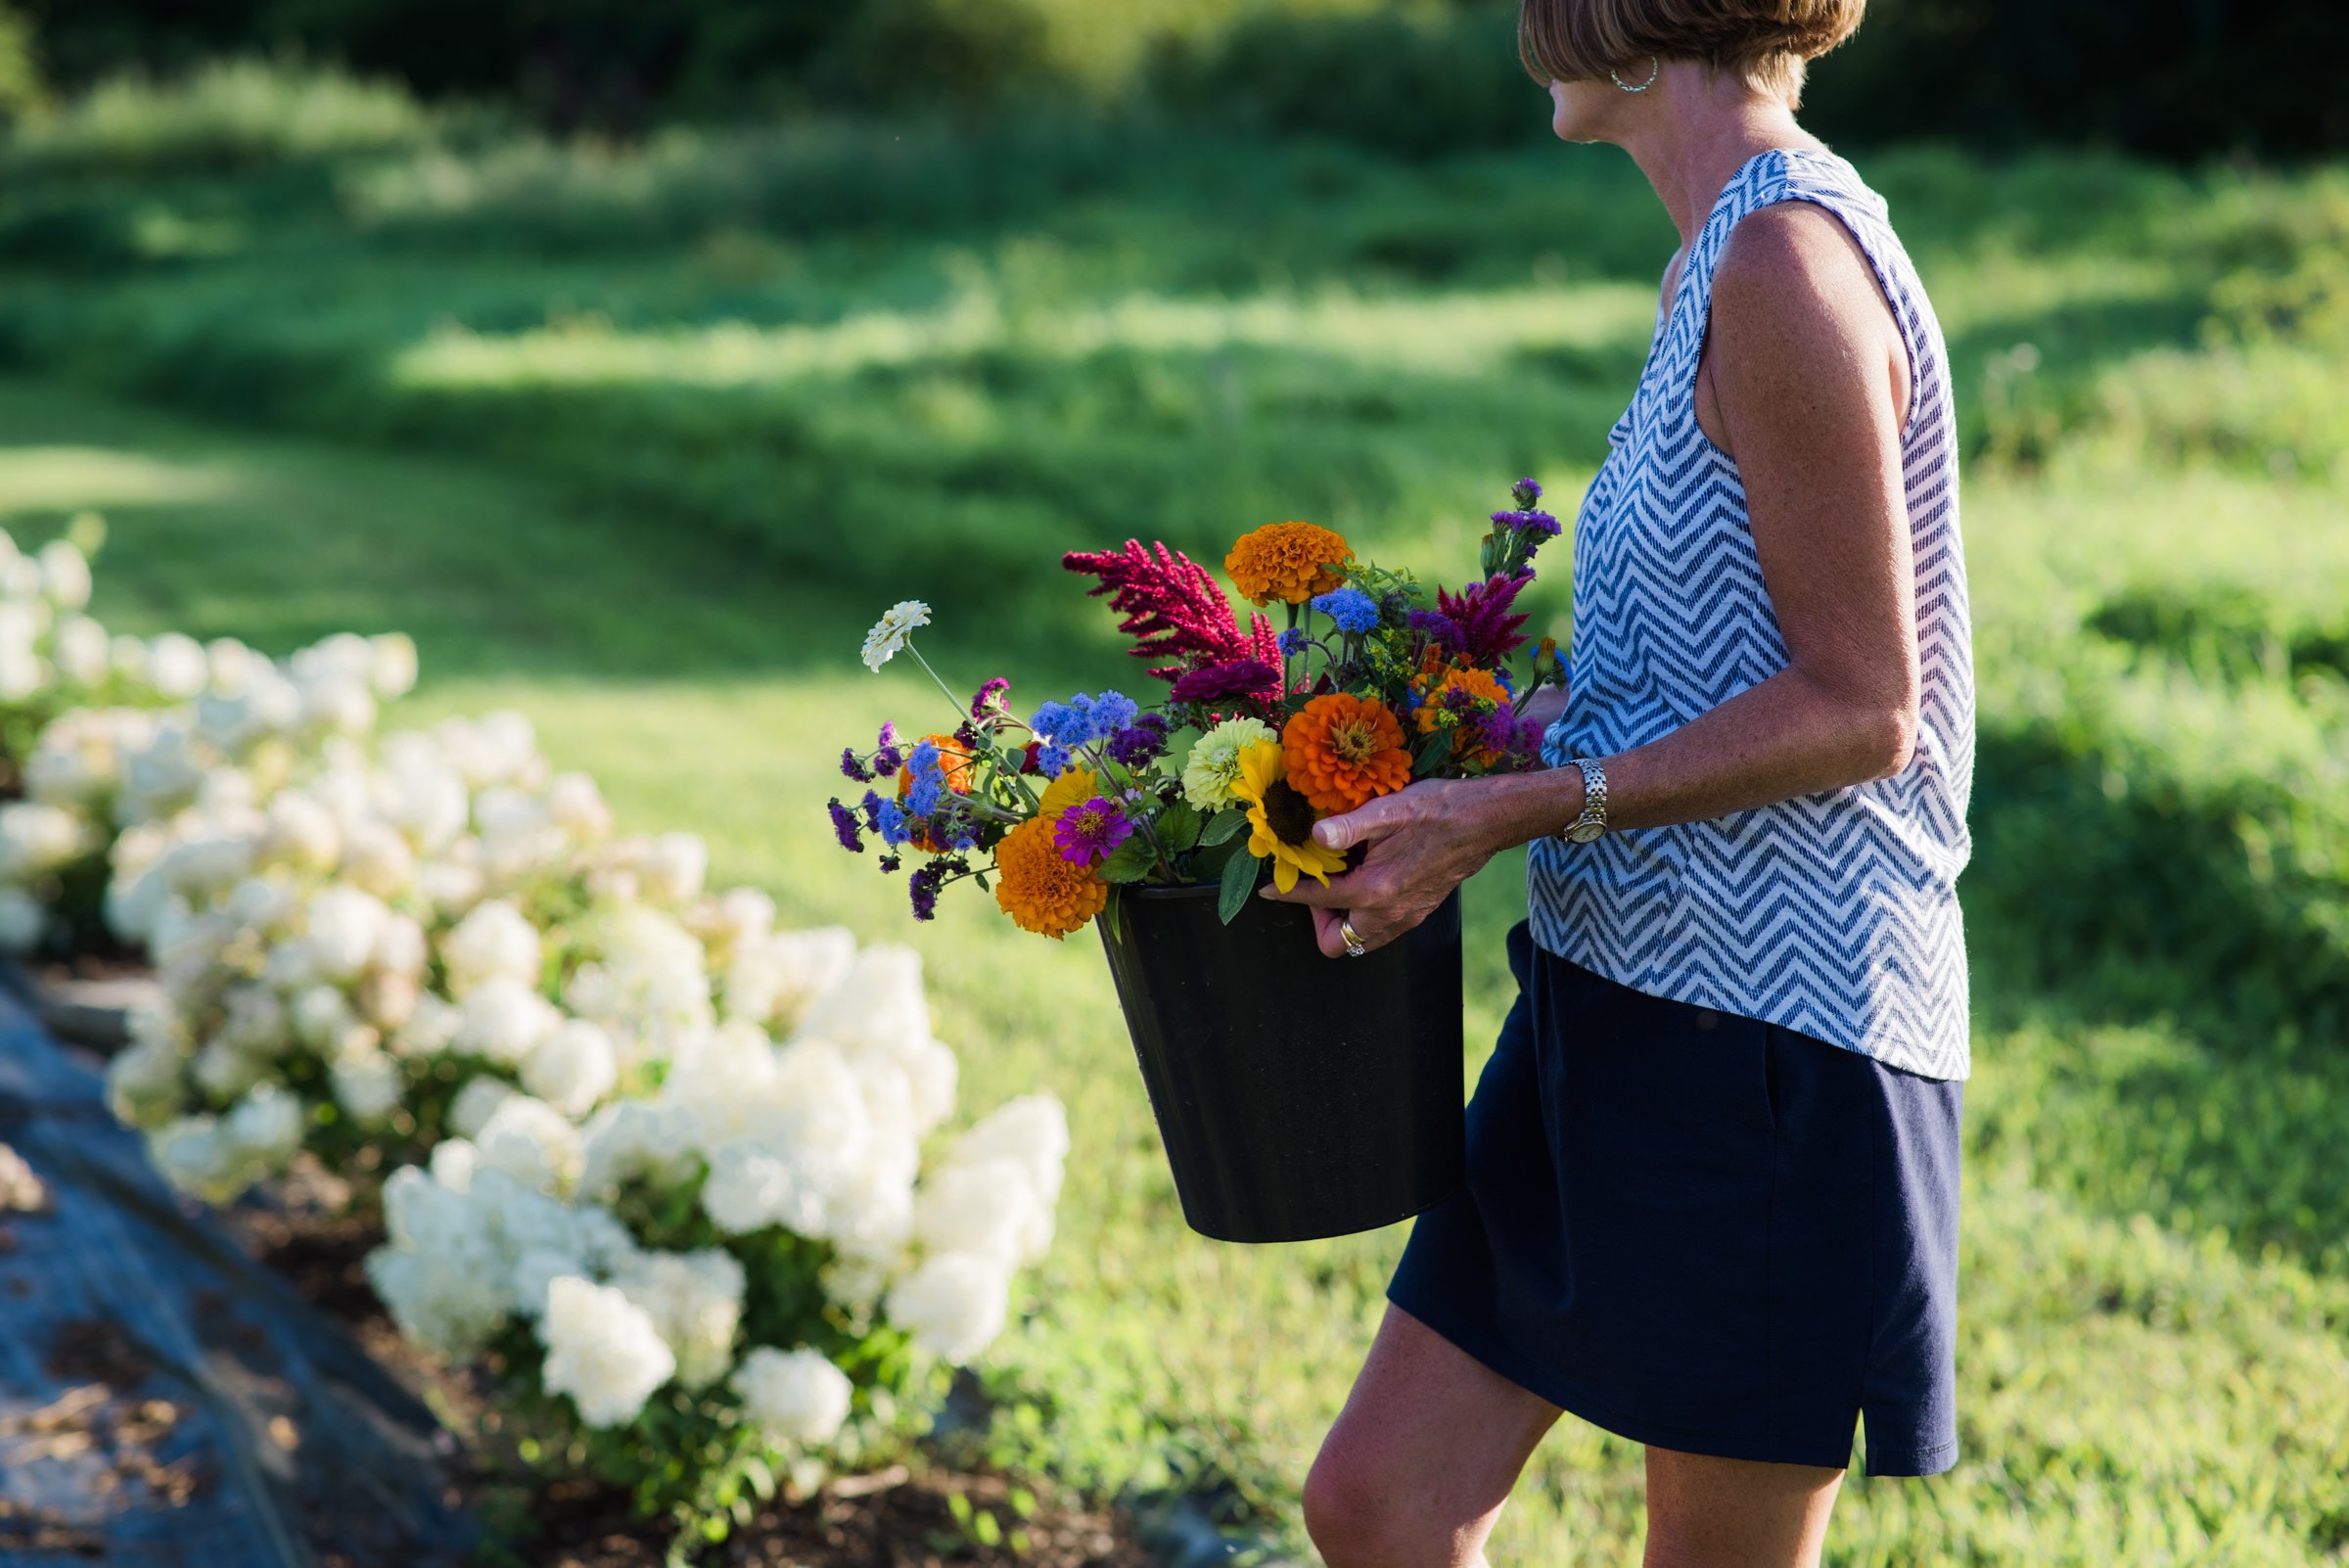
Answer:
(1280, 820)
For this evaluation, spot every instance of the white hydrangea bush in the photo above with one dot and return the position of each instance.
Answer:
(681, 1178)
(753, 1264)
(192, 741)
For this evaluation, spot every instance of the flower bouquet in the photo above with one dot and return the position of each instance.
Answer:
(1296, 1097)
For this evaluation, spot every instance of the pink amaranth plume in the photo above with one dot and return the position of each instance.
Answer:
(1172, 609)
(1482, 628)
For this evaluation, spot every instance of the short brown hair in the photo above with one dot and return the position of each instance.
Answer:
(1766, 42)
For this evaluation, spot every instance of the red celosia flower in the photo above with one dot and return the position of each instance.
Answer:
(1172, 609)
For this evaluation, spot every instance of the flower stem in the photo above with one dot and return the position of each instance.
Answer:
(952, 701)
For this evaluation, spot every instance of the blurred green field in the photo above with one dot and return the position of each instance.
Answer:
(640, 441)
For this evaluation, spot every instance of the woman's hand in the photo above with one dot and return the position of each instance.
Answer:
(1425, 840)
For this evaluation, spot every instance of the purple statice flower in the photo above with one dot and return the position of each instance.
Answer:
(1436, 625)
(922, 888)
(1355, 611)
(888, 755)
(1497, 730)
(1140, 742)
(990, 698)
(844, 828)
(891, 863)
(1525, 492)
(1090, 833)
(850, 769)
(1538, 524)
(1219, 685)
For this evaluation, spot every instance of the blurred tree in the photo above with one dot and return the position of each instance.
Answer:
(20, 72)
(2179, 78)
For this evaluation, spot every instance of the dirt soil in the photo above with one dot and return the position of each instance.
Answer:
(898, 1518)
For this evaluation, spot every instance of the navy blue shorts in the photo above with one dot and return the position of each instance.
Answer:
(1701, 1231)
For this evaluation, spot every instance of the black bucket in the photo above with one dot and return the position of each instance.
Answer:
(1298, 1096)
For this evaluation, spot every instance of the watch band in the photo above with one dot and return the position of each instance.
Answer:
(1593, 823)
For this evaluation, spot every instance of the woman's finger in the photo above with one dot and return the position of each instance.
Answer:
(1366, 823)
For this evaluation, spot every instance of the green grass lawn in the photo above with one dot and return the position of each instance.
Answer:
(2132, 1391)
(641, 443)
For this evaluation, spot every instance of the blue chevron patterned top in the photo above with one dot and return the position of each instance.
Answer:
(1834, 914)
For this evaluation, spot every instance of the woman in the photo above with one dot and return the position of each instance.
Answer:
(1712, 1202)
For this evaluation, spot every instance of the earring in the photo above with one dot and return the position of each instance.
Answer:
(1642, 86)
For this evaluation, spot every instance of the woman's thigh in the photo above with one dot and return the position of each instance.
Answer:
(1706, 1513)
(1423, 1455)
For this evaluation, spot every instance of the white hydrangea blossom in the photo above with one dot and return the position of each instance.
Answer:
(695, 1299)
(602, 1350)
(574, 1067)
(795, 1397)
(954, 1305)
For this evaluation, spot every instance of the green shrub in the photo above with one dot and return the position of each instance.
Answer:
(228, 116)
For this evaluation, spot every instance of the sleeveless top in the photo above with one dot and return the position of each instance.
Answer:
(1834, 914)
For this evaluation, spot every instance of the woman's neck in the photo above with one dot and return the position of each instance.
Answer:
(1694, 131)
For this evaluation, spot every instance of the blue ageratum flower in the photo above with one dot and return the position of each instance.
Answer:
(1293, 641)
(1106, 714)
(929, 776)
(888, 821)
(1063, 724)
(1355, 611)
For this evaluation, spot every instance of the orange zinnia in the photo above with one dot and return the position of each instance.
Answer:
(1040, 888)
(1288, 561)
(1344, 749)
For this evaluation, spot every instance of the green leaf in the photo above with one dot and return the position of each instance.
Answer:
(1130, 862)
(1221, 827)
(1239, 881)
(1112, 919)
(1434, 753)
(1178, 827)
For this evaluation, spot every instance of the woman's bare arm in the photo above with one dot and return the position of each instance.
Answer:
(1805, 384)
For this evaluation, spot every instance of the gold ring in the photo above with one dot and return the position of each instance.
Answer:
(1352, 939)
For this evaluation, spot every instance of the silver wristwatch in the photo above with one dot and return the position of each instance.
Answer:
(1593, 823)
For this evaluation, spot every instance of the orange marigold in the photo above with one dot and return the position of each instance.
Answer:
(1344, 749)
(1482, 684)
(1291, 562)
(1037, 885)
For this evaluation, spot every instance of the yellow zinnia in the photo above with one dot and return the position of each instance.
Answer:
(1074, 787)
(1280, 820)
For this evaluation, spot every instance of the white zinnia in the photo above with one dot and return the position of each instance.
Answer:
(890, 631)
(602, 1350)
(793, 1395)
(1213, 766)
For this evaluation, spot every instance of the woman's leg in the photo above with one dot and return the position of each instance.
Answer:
(1423, 1455)
(1704, 1512)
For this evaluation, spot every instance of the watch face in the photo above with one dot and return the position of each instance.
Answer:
(1586, 832)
